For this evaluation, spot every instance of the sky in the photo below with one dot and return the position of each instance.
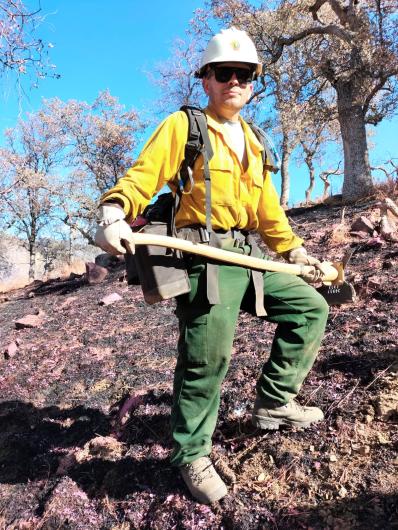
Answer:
(102, 45)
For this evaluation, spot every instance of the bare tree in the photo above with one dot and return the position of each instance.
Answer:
(58, 162)
(175, 77)
(101, 138)
(319, 129)
(27, 165)
(21, 50)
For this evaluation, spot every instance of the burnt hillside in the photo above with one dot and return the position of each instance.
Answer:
(86, 392)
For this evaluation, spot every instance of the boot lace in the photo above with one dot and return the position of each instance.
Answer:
(293, 404)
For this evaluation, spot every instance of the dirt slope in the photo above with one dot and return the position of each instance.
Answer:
(85, 398)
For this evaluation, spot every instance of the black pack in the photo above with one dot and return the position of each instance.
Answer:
(161, 272)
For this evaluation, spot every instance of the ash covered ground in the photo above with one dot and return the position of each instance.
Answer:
(86, 394)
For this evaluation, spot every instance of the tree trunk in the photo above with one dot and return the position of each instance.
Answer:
(32, 259)
(70, 248)
(357, 176)
(310, 188)
(285, 177)
(326, 186)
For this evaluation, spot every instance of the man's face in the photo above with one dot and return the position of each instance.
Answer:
(233, 88)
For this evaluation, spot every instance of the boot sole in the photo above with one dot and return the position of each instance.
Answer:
(273, 424)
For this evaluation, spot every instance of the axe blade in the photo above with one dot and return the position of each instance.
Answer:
(342, 293)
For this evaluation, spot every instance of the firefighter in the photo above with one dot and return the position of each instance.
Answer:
(243, 199)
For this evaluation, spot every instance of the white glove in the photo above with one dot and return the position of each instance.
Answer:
(113, 234)
(299, 256)
(110, 212)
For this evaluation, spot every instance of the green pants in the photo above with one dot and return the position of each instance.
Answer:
(205, 344)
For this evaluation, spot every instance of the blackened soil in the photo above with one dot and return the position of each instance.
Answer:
(85, 401)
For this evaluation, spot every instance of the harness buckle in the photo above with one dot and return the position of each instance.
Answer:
(239, 243)
(204, 235)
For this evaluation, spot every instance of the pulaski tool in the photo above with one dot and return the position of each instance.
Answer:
(334, 288)
(338, 291)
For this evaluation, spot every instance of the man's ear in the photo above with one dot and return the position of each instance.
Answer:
(205, 85)
(251, 88)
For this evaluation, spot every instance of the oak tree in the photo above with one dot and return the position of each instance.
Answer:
(353, 48)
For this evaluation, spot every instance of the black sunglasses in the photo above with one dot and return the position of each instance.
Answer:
(224, 73)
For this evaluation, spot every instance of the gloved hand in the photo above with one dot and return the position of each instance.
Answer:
(113, 230)
(299, 256)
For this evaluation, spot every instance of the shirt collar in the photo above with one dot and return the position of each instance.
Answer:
(215, 124)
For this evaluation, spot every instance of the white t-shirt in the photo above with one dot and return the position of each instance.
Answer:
(235, 133)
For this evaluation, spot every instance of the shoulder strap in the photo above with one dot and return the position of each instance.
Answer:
(198, 137)
(198, 142)
(271, 160)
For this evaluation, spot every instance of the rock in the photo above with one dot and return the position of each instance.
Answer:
(11, 350)
(362, 224)
(95, 273)
(105, 447)
(373, 243)
(68, 302)
(361, 235)
(391, 206)
(110, 299)
(66, 463)
(387, 405)
(386, 228)
(29, 321)
(374, 283)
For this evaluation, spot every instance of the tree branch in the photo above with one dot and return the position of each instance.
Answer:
(331, 29)
(68, 221)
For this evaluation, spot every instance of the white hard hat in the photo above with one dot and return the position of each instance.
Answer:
(230, 45)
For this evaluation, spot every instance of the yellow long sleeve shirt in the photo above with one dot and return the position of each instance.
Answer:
(240, 198)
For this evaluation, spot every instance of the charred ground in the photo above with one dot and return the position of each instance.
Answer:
(86, 394)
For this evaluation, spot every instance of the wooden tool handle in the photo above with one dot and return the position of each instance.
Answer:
(329, 271)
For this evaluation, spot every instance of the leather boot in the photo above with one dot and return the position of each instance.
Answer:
(266, 416)
(203, 481)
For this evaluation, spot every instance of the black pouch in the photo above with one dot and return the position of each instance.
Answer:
(161, 271)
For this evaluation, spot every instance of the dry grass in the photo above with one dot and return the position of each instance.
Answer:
(387, 188)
